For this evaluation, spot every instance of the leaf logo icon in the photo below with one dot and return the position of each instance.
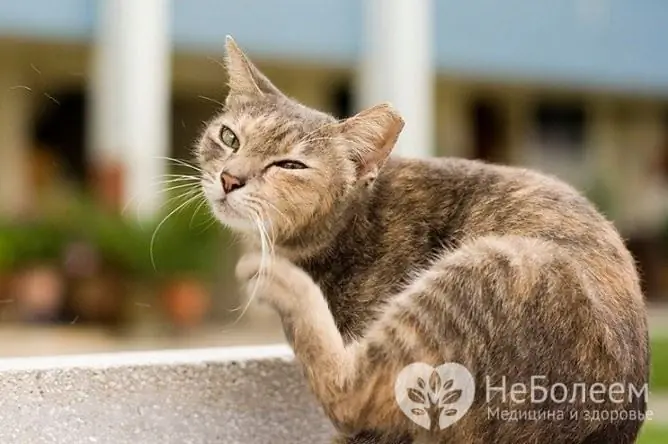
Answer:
(447, 389)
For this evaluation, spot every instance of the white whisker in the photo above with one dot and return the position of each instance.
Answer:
(209, 224)
(217, 102)
(197, 208)
(192, 181)
(267, 253)
(155, 232)
(180, 162)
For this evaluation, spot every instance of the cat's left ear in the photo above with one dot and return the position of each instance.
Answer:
(244, 77)
(371, 136)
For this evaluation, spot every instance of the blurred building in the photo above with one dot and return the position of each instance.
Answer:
(578, 88)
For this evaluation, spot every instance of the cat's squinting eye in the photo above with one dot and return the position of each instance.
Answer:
(228, 137)
(289, 165)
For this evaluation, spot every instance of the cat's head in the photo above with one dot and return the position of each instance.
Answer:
(272, 163)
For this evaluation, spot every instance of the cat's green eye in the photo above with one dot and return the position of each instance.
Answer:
(228, 137)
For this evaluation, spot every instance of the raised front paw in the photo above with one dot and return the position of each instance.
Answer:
(275, 281)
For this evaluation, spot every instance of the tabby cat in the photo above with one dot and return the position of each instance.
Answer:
(376, 262)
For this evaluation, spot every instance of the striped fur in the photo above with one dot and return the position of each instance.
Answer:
(379, 263)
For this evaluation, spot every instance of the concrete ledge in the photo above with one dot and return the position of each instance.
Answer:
(239, 395)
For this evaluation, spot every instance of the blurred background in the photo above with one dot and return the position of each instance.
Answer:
(101, 102)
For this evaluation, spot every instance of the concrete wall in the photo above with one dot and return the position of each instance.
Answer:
(209, 396)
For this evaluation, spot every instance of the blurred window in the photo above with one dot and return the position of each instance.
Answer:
(59, 129)
(557, 139)
(560, 126)
(342, 100)
(490, 130)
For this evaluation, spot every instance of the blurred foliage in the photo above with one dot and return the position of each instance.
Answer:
(30, 242)
(177, 241)
(652, 433)
(601, 194)
(659, 370)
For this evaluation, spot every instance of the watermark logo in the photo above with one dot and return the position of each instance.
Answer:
(441, 396)
(424, 392)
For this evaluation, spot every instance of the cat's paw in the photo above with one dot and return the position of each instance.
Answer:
(275, 281)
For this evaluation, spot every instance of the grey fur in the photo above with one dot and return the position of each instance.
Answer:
(380, 262)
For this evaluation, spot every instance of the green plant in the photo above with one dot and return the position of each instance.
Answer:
(659, 363)
(653, 434)
(187, 242)
(602, 196)
(30, 242)
(177, 241)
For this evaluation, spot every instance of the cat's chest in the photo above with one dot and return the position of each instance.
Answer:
(354, 293)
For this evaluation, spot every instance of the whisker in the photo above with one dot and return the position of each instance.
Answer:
(273, 207)
(209, 224)
(217, 102)
(184, 195)
(162, 222)
(217, 62)
(267, 253)
(180, 162)
(194, 181)
(197, 208)
(176, 187)
(177, 177)
(138, 196)
(261, 217)
(261, 203)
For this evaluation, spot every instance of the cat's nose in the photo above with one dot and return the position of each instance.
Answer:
(230, 182)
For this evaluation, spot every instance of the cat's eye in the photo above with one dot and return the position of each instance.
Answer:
(290, 165)
(228, 137)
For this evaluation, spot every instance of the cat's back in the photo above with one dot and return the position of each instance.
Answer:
(457, 201)
(480, 183)
(423, 209)
(477, 198)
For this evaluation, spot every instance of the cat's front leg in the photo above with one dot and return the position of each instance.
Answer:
(354, 383)
(279, 283)
(308, 324)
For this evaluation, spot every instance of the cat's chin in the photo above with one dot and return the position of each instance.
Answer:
(229, 217)
(237, 224)
(240, 225)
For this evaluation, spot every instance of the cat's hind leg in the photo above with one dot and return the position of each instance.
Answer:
(510, 307)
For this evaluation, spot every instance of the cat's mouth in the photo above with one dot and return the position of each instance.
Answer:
(223, 204)
(232, 217)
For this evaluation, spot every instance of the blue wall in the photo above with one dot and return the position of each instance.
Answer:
(610, 42)
(67, 19)
(618, 43)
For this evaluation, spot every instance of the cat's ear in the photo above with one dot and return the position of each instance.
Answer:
(372, 134)
(244, 77)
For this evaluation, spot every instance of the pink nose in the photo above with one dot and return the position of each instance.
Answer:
(230, 182)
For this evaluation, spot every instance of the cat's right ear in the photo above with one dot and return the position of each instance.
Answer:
(243, 77)
(371, 136)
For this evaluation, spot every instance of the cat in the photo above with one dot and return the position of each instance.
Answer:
(375, 262)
